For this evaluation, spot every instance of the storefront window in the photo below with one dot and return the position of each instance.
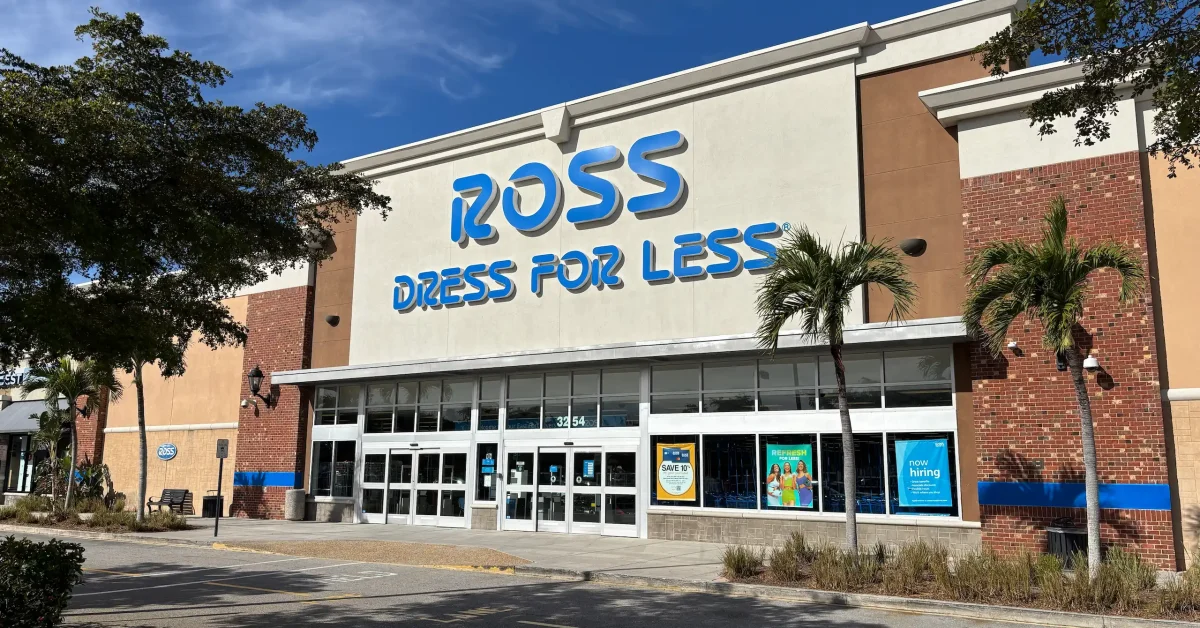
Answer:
(585, 399)
(789, 468)
(675, 389)
(374, 467)
(787, 384)
(728, 387)
(868, 457)
(730, 480)
(674, 467)
(863, 377)
(454, 468)
(923, 479)
(621, 467)
(620, 397)
(524, 407)
(333, 469)
(337, 406)
(918, 379)
(556, 409)
(485, 482)
(489, 403)
(381, 404)
(456, 405)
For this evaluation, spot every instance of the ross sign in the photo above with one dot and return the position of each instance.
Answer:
(923, 473)
(222, 448)
(166, 451)
(789, 482)
(676, 472)
(13, 379)
(578, 270)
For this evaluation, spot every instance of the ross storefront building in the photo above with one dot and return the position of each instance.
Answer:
(554, 330)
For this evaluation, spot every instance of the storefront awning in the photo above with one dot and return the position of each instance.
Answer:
(20, 417)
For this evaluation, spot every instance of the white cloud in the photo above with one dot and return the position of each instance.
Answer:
(316, 51)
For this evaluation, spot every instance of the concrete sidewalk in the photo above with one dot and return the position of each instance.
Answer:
(575, 552)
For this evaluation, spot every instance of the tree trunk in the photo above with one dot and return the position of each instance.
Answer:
(141, 413)
(1091, 480)
(74, 458)
(849, 470)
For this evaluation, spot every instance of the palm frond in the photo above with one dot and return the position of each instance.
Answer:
(879, 263)
(1054, 224)
(1126, 262)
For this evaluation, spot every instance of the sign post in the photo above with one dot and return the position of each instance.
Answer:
(222, 454)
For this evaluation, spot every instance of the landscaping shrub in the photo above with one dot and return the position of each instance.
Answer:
(1181, 596)
(741, 562)
(913, 568)
(791, 561)
(841, 570)
(36, 580)
(987, 577)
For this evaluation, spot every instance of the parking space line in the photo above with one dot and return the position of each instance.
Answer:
(191, 582)
(242, 586)
(538, 623)
(333, 598)
(114, 573)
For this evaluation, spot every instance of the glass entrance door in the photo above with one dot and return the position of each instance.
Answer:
(552, 489)
(440, 489)
(586, 490)
(519, 490)
(400, 486)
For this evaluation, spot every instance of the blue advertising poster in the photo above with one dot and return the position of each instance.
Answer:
(923, 473)
(589, 468)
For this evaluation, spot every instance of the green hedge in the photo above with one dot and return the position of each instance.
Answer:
(36, 580)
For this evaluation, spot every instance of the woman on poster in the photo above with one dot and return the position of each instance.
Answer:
(773, 492)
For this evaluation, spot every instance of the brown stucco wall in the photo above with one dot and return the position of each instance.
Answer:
(911, 181)
(333, 293)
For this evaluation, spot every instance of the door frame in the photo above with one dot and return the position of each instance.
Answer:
(530, 524)
(544, 525)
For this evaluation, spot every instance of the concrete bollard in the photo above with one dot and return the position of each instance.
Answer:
(293, 505)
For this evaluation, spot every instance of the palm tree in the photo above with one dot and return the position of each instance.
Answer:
(51, 423)
(1048, 282)
(815, 283)
(73, 380)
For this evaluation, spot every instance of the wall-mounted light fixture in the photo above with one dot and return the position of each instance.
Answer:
(255, 378)
(333, 319)
(913, 247)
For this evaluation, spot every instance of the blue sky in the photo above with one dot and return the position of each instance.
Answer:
(376, 74)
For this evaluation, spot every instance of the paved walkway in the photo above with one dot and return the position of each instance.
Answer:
(638, 557)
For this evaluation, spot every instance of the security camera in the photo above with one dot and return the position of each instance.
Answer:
(245, 403)
(1091, 364)
(1012, 346)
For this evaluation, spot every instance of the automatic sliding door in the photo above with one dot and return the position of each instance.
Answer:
(552, 490)
(620, 492)
(425, 501)
(374, 483)
(452, 511)
(518, 493)
(400, 487)
(586, 493)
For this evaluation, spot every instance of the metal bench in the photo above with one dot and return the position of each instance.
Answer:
(176, 499)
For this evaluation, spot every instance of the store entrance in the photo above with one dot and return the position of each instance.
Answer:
(422, 487)
(580, 490)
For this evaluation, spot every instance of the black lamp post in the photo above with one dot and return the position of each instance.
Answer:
(255, 377)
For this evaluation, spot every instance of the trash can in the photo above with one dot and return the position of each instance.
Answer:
(211, 505)
(1064, 542)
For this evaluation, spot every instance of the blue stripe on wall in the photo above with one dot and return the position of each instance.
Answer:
(287, 479)
(1071, 495)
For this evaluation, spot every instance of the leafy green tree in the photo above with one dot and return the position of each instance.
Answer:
(815, 283)
(123, 168)
(1147, 46)
(78, 382)
(1048, 282)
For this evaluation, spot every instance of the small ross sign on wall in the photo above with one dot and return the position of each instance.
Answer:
(166, 451)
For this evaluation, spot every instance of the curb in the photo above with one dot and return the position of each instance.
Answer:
(962, 610)
(101, 536)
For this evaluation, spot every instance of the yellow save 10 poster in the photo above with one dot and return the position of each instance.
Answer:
(676, 472)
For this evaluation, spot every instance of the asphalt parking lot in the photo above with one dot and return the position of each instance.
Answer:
(130, 584)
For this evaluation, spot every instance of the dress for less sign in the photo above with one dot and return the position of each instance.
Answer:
(676, 472)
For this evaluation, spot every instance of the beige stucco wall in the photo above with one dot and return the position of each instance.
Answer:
(207, 393)
(784, 150)
(1174, 205)
(194, 466)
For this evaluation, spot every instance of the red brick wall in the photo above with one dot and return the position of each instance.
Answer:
(1025, 413)
(89, 430)
(272, 440)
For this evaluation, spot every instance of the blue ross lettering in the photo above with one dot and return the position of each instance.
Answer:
(610, 197)
(660, 173)
(551, 202)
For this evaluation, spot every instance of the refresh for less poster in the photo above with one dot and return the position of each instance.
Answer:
(676, 472)
(789, 481)
(923, 473)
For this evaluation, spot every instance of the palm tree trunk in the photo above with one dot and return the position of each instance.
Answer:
(1091, 480)
(74, 458)
(141, 410)
(849, 471)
